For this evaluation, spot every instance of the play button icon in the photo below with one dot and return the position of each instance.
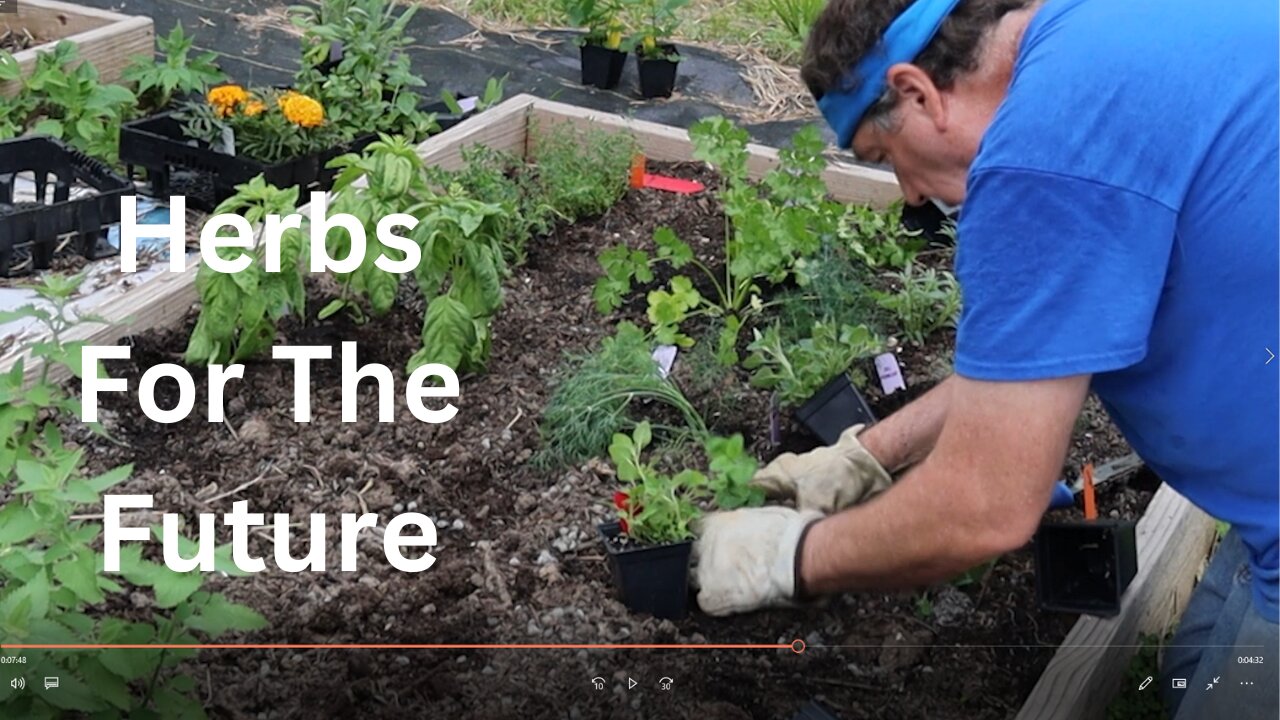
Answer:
(631, 683)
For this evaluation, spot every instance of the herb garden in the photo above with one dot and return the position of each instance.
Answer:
(627, 358)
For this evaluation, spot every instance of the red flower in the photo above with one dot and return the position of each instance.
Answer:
(620, 501)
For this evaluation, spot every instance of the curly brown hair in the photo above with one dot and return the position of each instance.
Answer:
(848, 29)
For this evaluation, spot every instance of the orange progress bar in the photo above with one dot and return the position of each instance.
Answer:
(796, 646)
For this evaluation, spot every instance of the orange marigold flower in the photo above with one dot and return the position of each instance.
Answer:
(254, 108)
(302, 111)
(227, 96)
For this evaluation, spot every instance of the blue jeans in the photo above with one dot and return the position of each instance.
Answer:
(1220, 627)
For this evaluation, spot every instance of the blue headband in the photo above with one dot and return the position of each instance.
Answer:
(906, 37)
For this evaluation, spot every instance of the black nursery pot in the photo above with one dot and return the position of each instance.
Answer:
(650, 579)
(1085, 567)
(602, 67)
(834, 409)
(658, 76)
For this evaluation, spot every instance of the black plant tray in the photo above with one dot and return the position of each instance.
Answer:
(177, 165)
(34, 231)
(651, 579)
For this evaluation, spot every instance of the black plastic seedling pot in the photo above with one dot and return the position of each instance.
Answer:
(33, 229)
(651, 579)
(834, 409)
(1085, 567)
(658, 75)
(602, 67)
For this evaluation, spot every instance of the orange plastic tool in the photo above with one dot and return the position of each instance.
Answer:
(642, 179)
(1090, 505)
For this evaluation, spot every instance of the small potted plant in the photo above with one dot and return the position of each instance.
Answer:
(601, 53)
(813, 375)
(657, 60)
(650, 543)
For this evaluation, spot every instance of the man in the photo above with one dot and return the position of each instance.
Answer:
(1117, 165)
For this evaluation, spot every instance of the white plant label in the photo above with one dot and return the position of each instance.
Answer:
(890, 373)
(665, 356)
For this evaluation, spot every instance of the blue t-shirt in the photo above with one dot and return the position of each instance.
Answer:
(1121, 220)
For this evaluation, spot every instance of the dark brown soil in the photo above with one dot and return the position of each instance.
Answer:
(519, 560)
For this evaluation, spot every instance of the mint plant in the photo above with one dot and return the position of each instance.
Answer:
(656, 507)
(239, 311)
(53, 589)
(157, 83)
(798, 370)
(769, 228)
(877, 237)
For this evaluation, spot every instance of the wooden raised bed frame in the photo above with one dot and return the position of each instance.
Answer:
(1173, 536)
(106, 39)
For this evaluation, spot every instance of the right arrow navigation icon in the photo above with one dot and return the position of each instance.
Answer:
(631, 683)
(1270, 356)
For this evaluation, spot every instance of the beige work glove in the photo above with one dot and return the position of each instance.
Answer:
(746, 559)
(827, 479)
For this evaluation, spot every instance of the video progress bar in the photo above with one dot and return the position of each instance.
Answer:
(796, 646)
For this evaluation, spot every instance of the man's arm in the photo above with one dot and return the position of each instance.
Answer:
(979, 493)
(907, 436)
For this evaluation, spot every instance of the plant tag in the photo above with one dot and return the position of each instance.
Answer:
(665, 356)
(468, 104)
(890, 373)
(228, 141)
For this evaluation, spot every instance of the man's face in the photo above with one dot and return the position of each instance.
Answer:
(931, 140)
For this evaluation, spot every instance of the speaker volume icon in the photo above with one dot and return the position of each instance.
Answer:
(18, 683)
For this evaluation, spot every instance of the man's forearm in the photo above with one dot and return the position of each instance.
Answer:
(904, 438)
(894, 542)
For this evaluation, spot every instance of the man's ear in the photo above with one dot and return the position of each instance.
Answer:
(917, 93)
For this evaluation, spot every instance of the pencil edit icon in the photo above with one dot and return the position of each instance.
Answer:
(1145, 683)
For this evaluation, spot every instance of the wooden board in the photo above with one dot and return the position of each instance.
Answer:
(1084, 675)
(108, 40)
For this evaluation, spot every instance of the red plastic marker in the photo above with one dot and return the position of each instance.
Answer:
(642, 179)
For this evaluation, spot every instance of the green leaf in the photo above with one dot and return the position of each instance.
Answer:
(219, 616)
(447, 332)
(106, 685)
(172, 587)
(80, 574)
(17, 524)
(111, 478)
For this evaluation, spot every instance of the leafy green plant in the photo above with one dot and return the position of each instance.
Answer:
(877, 237)
(656, 21)
(373, 88)
(923, 301)
(656, 507)
(239, 311)
(461, 267)
(798, 370)
(494, 89)
(70, 104)
(601, 18)
(603, 393)
(53, 588)
(770, 227)
(580, 174)
(157, 83)
(796, 16)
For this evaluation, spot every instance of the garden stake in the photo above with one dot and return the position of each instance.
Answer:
(1090, 506)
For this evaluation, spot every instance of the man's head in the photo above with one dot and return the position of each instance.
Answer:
(934, 109)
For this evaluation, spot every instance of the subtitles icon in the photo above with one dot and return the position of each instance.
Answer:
(50, 682)
(1179, 683)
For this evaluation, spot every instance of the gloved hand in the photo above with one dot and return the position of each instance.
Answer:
(746, 559)
(828, 479)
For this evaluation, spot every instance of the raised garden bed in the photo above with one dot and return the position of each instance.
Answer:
(519, 560)
(107, 39)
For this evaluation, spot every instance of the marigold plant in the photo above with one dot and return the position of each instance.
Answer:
(268, 125)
